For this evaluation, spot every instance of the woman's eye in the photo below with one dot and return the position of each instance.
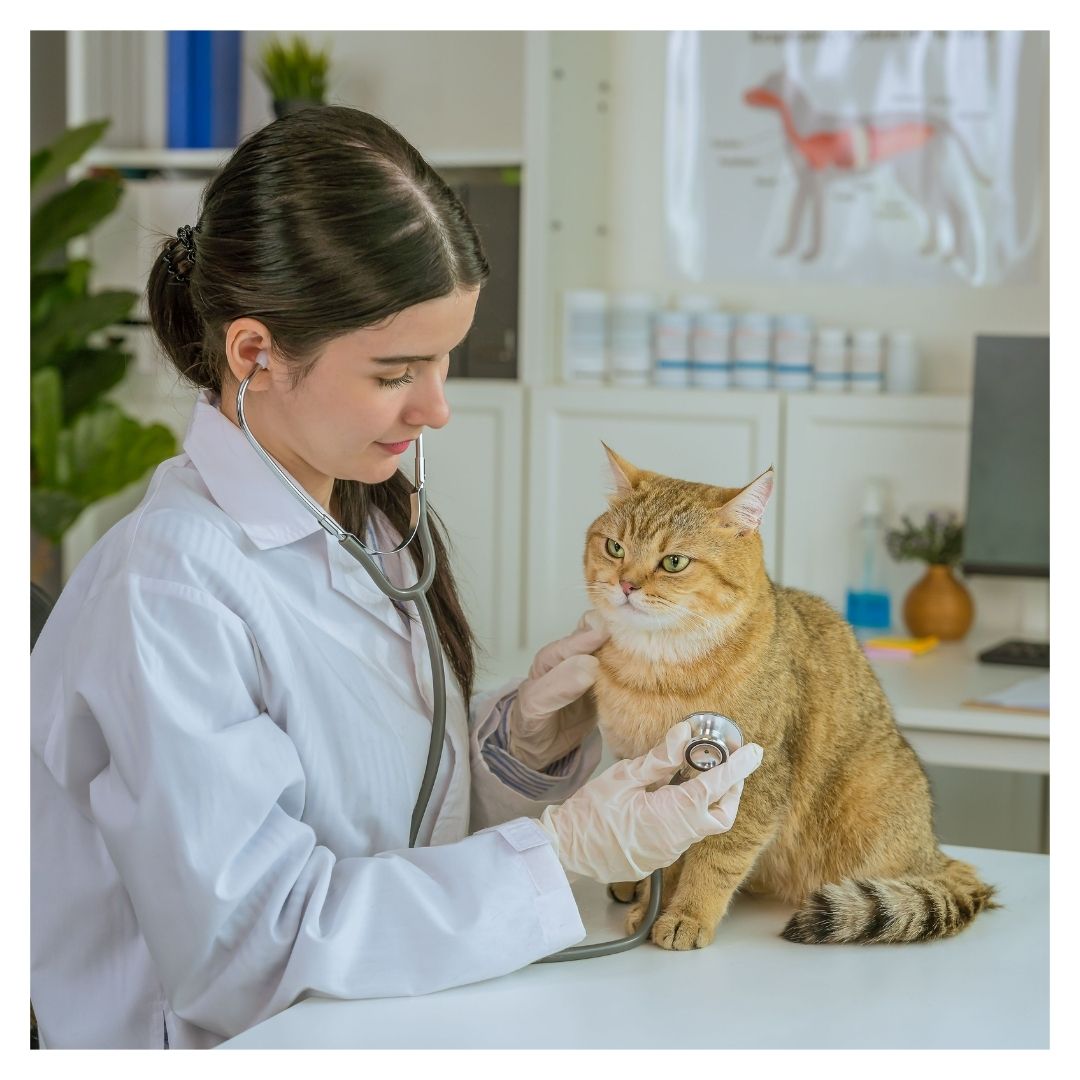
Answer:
(674, 563)
(401, 380)
(614, 549)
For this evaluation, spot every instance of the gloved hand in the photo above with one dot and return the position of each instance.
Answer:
(553, 711)
(613, 829)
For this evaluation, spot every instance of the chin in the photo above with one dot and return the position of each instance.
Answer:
(642, 620)
(375, 472)
(659, 636)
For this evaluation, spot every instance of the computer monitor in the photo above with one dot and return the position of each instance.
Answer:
(1007, 523)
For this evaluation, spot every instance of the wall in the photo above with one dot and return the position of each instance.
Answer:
(48, 85)
(443, 90)
(944, 320)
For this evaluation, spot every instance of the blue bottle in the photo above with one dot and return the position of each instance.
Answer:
(868, 608)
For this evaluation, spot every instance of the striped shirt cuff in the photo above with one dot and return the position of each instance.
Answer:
(525, 781)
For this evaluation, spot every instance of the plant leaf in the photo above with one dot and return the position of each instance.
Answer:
(46, 411)
(109, 450)
(45, 287)
(52, 161)
(88, 373)
(70, 213)
(52, 513)
(71, 321)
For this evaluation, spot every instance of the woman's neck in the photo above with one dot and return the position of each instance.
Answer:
(318, 486)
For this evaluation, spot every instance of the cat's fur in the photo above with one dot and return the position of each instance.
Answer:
(837, 818)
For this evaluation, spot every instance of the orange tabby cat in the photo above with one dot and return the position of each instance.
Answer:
(837, 818)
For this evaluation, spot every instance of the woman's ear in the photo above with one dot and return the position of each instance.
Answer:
(744, 510)
(248, 346)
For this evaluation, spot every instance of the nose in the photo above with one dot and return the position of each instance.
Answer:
(628, 587)
(427, 405)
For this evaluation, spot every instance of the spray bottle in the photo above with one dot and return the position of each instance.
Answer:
(868, 606)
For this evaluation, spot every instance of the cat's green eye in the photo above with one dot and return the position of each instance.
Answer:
(614, 549)
(674, 563)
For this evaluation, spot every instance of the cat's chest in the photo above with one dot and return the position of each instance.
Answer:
(634, 719)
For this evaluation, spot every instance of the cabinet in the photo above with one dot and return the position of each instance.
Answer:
(834, 443)
(474, 467)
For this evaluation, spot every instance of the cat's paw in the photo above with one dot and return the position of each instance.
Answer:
(622, 892)
(635, 915)
(680, 931)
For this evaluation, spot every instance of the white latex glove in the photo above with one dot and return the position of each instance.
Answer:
(613, 829)
(553, 710)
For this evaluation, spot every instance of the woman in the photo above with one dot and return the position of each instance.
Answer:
(230, 721)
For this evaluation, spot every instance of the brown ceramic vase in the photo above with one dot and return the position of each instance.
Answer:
(938, 604)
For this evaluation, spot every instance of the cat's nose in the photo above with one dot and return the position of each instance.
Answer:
(628, 587)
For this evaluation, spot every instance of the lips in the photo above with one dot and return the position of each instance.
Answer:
(396, 447)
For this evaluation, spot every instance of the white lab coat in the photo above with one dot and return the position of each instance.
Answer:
(229, 728)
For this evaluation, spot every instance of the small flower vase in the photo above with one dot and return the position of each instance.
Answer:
(938, 604)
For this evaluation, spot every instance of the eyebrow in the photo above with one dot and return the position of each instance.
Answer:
(394, 360)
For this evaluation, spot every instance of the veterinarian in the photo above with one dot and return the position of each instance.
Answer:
(233, 699)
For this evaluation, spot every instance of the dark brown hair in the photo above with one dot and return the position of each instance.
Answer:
(321, 223)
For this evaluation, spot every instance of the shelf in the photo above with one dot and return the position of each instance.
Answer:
(198, 160)
(136, 158)
(471, 159)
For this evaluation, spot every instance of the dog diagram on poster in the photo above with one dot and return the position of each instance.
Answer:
(884, 157)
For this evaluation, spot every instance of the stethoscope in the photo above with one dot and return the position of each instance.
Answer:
(418, 526)
(713, 736)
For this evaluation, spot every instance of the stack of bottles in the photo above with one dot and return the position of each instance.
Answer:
(633, 339)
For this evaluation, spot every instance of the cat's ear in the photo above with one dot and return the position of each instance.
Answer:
(623, 473)
(744, 510)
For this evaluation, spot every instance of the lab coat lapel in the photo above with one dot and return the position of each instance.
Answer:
(348, 577)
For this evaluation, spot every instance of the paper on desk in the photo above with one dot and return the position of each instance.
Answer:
(1032, 694)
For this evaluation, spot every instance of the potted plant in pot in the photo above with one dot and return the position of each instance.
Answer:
(295, 75)
(82, 446)
(938, 604)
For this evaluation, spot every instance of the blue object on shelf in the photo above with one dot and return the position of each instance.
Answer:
(177, 81)
(868, 610)
(203, 88)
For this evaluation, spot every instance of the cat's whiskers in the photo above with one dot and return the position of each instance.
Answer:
(664, 601)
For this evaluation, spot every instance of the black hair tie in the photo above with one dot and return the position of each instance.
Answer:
(185, 235)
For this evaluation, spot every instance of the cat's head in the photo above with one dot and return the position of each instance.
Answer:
(673, 558)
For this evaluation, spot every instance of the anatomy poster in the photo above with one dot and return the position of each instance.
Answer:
(880, 157)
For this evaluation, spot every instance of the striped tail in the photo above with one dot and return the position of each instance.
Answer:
(892, 910)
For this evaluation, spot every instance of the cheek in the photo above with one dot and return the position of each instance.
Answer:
(355, 414)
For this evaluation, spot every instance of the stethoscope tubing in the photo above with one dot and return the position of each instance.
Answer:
(415, 593)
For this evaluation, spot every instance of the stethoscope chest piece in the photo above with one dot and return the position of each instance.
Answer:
(713, 739)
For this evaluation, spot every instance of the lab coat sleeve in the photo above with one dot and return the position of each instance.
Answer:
(495, 800)
(199, 802)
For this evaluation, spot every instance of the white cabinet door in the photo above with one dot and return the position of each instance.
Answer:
(474, 479)
(713, 437)
(834, 444)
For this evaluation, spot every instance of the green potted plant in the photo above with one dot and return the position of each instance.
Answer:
(83, 447)
(295, 75)
(938, 604)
